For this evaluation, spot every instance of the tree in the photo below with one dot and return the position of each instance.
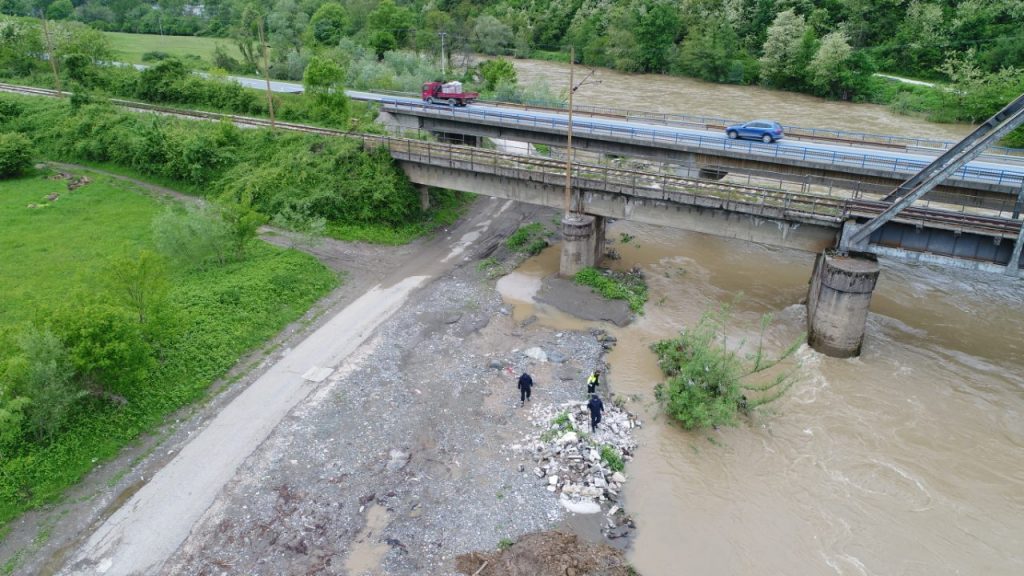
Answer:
(382, 42)
(15, 154)
(21, 42)
(243, 222)
(328, 24)
(786, 50)
(60, 10)
(42, 376)
(708, 381)
(108, 348)
(709, 52)
(829, 66)
(656, 29)
(323, 81)
(195, 237)
(139, 281)
(491, 36)
(392, 19)
(498, 70)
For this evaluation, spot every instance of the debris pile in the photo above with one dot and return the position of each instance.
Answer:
(584, 468)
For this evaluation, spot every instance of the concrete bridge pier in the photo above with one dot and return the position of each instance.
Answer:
(838, 300)
(424, 191)
(582, 243)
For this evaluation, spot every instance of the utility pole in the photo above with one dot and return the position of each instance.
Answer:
(570, 208)
(568, 147)
(51, 56)
(442, 35)
(266, 71)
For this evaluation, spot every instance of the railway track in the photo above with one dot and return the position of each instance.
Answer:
(801, 206)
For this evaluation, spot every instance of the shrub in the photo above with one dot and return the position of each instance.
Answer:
(708, 381)
(611, 457)
(628, 286)
(527, 239)
(15, 154)
(41, 376)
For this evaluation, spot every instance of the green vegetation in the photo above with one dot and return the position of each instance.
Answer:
(559, 425)
(823, 47)
(103, 333)
(505, 543)
(610, 456)
(529, 239)
(132, 48)
(708, 379)
(15, 154)
(628, 286)
(360, 194)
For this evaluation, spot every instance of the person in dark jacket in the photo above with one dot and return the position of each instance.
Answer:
(525, 384)
(593, 381)
(596, 407)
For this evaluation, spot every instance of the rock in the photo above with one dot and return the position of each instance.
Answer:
(553, 480)
(557, 357)
(567, 438)
(528, 321)
(581, 507)
(566, 373)
(551, 488)
(618, 477)
(538, 472)
(398, 460)
(504, 311)
(494, 364)
(536, 353)
(613, 510)
(364, 500)
(452, 317)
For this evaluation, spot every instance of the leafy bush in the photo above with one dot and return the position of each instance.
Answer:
(15, 154)
(528, 239)
(611, 457)
(628, 286)
(707, 380)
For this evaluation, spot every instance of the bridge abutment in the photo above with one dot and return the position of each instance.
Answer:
(838, 300)
(424, 191)
(582, 243)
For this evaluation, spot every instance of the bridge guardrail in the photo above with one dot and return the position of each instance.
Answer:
(713, 122)
(822, 210)
(898, 166)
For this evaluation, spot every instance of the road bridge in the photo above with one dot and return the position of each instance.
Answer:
(992, 183)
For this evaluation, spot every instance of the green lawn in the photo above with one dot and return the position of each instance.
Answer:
(130, 47)
(57, 249)
(53, 270)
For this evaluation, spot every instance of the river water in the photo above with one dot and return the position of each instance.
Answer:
(906, 461)
(676, 95)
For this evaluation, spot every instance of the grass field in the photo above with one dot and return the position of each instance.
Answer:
(54, 269)
(130, 47)
(55, 250)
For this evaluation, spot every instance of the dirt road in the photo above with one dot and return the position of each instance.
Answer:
(143, 533)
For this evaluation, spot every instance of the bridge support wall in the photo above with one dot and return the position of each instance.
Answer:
(838, 300)
(582, 243)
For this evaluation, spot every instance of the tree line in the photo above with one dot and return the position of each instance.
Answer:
(826, 47)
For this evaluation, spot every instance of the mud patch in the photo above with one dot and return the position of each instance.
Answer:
(547, 554)
(582, 302)
(367, 549)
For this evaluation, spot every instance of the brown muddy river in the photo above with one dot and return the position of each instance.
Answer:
(906, 461)
(669, 94)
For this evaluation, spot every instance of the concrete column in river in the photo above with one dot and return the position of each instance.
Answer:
(582, 242)
(838, 300)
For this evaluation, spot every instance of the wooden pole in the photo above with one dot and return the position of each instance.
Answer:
(568, 147)
(51, 56)
(266, 72)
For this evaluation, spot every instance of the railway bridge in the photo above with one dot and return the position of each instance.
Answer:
(847, 233)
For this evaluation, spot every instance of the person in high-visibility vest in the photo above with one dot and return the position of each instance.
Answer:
(593, 381)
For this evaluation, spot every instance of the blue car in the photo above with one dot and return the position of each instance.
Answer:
(766, 131)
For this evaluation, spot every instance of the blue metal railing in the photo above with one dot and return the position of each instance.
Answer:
(898, 166)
